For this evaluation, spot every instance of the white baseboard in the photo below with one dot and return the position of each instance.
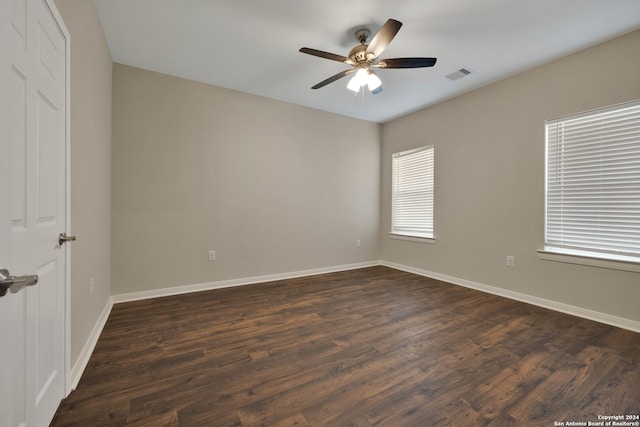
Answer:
(608, 319)
(87, 351)
(155, 293)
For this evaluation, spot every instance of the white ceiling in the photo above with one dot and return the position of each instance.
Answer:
(252, 45)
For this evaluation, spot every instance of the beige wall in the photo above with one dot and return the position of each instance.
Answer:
(489, 147)
(91, 67)
(271, 187)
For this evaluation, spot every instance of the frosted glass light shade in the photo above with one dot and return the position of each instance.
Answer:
(353, 85)
(373, 82)
(362, 76)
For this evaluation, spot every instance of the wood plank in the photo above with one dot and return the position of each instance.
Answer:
(368, 347)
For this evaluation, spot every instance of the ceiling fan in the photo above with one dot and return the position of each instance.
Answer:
(364, 57)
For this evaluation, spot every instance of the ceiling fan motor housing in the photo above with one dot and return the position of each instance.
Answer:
(359, 54)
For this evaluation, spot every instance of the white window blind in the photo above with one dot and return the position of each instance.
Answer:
(593, 181)
(412, 192)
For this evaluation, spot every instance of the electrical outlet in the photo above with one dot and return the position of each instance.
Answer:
(358, 243)
(511, 261)
(92, 286)
(212, 255)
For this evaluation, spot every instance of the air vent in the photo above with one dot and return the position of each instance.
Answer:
(458, 74)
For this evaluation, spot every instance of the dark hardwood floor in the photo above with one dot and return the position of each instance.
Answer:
(374, 346)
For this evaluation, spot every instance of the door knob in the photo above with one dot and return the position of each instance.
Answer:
(62, 238)
(15, 283)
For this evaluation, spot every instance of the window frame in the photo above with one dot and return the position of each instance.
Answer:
(396, 232)
(572, 252)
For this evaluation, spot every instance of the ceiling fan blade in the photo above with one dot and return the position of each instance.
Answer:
(333, 78)
(326, 55)
(381, 40)
(406, 63)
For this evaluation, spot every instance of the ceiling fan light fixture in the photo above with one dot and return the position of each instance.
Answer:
(365, 77)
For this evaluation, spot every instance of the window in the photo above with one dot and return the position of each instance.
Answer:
(593, 184)
(412, 193)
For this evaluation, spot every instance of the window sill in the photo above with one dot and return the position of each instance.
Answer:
(593, 259)
(428, 240)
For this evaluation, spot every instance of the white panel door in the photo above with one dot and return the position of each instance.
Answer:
(37, 202)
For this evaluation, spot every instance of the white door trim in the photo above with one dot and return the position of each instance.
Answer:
(50, 4)
(67, 131)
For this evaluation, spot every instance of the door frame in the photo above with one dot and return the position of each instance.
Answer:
(67, 248)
